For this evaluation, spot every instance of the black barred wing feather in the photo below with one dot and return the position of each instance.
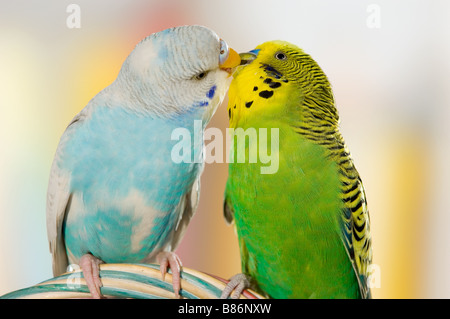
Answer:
(356, 224)
(355, 221)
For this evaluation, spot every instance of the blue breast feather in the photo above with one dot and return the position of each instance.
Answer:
(111, 154)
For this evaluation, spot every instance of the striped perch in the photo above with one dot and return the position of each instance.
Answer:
(138, 281)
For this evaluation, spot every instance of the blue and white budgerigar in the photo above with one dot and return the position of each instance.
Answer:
(115, 194)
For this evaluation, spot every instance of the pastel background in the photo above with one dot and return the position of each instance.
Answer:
(391, 80)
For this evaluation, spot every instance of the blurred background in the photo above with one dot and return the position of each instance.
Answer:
(388, 62)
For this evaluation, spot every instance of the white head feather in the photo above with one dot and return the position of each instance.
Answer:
(159, 77)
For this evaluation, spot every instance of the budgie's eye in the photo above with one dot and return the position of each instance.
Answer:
(201, 75)
(280, 56)
(224, 51)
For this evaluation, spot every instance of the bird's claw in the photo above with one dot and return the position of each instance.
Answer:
(170, 260)
(91, 273)
(238, 283)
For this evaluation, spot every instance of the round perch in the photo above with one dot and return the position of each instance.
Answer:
(140, 281)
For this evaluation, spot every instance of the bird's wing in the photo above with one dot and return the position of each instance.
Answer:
(356, 226)
(188, 205)
(58, 199)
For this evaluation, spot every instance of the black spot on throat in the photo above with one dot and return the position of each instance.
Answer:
(274, 85)
(248, 104)
(271, 83)
(266, 94)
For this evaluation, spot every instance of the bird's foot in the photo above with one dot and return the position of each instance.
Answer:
(238, 283)
(91, 272)
(167, 259)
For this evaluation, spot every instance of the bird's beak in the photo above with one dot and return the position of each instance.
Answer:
(247, 57)
(231, 62)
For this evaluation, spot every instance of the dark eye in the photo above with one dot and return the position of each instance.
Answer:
(280, 56)
(200, 75)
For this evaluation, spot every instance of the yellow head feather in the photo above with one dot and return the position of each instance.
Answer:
(281, 83)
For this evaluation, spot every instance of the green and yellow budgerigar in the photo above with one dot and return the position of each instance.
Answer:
(303, 230)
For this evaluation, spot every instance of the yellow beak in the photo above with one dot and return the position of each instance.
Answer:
(231, 62)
